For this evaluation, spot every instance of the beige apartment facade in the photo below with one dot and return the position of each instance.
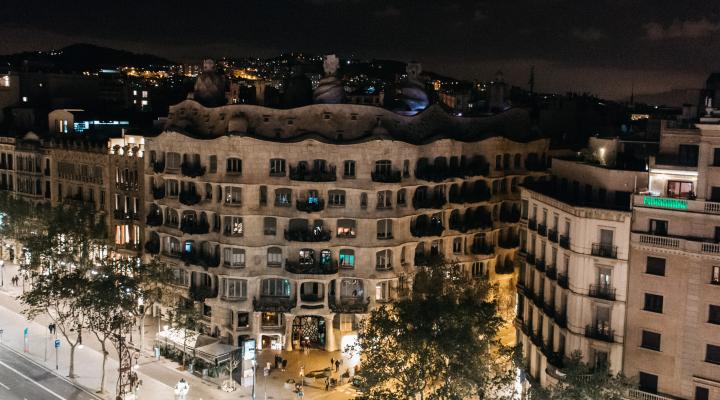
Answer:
(288, 228)
(673, 335)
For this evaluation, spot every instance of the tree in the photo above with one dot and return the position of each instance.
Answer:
(155, 280)
(186, 317)
(58, 293)
(582, 382)
(441, 342)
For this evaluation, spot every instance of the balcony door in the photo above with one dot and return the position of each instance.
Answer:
(604, 278)
(602, 320)
(680, 189)
(606, 238)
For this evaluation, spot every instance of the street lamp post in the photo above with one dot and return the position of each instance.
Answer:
(2, 273)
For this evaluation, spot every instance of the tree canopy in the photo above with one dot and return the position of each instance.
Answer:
(440, 342)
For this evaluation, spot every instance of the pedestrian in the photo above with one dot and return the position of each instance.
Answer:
(284, 364)
(332, 362)
(327, 384)
(337, 365)
(182, 389)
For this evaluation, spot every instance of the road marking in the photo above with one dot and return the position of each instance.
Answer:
(31, 380)
(5, 386)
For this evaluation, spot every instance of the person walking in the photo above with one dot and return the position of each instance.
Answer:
(284, 364)
(181, 389)
(327, 384)
(337, 365)
(332, 362)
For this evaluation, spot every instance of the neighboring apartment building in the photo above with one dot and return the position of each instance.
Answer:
(290, 225)
(126, 192)
(673, 333)
(572, 287)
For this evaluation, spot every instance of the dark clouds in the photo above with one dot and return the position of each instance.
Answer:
(601, 46)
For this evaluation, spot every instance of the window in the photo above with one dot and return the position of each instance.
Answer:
(276, 287)
(235, 288)
(234, 257)
(653, 303)
(277, 167)
(243, 319)
(650, 340)
(715, 277)
(702, 393)
(274, 256)
(384, 199)
(181, 277)
(269, 226)
(383, 259)
(233, 226)
(233, 195)
(402, 197)
(347, 258)
(457, 245)
(648, 382)
(498, 162)
(382, 291)
(234, 166)
(348, 169)
(346, 228)
(384, 229)
(213, 164)
(172, 161)
(262, 198)
(655, 266)
(714, 314)
(363, 200)
(173, 188)
(283, 197)
(383, 167)
(478, 269)
(658, 227)
(688, 154)
(712, 354)
(336, 198)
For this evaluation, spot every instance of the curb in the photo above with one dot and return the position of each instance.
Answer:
(64, 378)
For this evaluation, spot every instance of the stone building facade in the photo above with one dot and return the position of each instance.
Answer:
(673, 307)
(289, 225)
(572, 286)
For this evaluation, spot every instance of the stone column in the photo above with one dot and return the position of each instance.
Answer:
(289, 318)
(256, 329)
(329, 333)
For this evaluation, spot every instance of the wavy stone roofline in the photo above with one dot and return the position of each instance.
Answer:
(342, 123)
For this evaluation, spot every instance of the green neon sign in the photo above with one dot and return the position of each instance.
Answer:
(664, 202)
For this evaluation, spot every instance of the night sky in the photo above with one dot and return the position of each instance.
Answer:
(600, 46)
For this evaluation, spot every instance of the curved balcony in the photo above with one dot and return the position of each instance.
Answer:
(158, 192)
(310, 206)
(469, 193)
(307, 235)
(194, 227)
(540, 264)
(392, 176)
(551, 272)
(152, 247)
(123, 215)
(274, 304)
(313, 175)
(189, 198)
(509, 242)
(192, 170)
(311, 268)
(349, 305)
(429, 229)
(202, 259)
(477, 218)
(201, 293)
(530, 258)
(510, 216)
(482, 248)
(560, 318)
(429, 259)
(158, 166)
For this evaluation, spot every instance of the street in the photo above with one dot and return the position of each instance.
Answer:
(21, 379)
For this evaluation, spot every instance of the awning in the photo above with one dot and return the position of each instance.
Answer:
(178, 339)
(216, 352)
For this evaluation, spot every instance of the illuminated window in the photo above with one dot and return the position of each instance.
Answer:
(5, 81)
(144, 95)
(235, 288)
(234, 257)
(347, 258)
(24, 99)
(382, 291)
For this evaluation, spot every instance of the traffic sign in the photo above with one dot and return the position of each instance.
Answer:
(25, 332)
(57, 343)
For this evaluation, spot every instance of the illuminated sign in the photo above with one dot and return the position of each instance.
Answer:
(664, 202)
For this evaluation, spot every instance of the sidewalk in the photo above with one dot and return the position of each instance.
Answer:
(158, 376)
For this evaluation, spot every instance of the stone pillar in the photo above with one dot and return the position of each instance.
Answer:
(256, 329)
(329, 333)
(289, 318)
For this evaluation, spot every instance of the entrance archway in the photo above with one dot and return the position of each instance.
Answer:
(309, 329)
